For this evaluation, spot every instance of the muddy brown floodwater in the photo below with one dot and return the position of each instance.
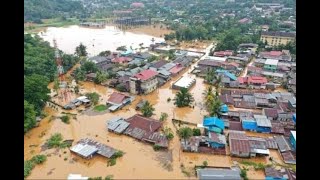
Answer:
(140, 160)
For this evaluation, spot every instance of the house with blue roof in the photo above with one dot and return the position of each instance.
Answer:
(249, 124)
(224, 108)
(227, 78)
(213, 124)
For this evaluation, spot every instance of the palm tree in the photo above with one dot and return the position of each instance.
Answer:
(183, 98)
(215, 107)
(147, 109)
(185, 133)
(208, 96)
(210, 75)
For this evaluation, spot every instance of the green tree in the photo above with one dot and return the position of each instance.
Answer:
(183, 98)
(105, 53)
(100, 78)
(56, 85)
(185, 133)
(94, 97)
(215, 107)
(79, 74)
(121, 88)
(147, 109)
(29, 116)
(81, 50)
(89, 67)
(152, 58)
(196, 132)
(168, 132)
(36, 91)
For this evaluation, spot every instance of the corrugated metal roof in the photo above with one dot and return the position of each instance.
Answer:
(213, 121)
(84, 150)
(218, 174)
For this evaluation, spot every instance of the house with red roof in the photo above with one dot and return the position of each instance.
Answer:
(117, 101)
(257, 82)
(121, 60)
(144, 82)
(176, 69)
(245, 21)
(223, 53)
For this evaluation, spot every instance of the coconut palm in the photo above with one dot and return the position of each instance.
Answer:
(215, 107)
(183, 98)
(208, 96)
(185, 133)
(210, 75)
(147, 109)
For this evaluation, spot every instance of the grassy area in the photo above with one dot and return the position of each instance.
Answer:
(31, 28)
(257, 166)
(100, 108)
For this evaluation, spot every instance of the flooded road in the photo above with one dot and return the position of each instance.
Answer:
(96, 40)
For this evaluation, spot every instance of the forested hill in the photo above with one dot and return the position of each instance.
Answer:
(35, 10)
(39, 70)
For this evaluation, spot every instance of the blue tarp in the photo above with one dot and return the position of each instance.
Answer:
(213, 121)
(224, 108)
(249, 124)
(294, 118)
(272, 178)
(227, 73)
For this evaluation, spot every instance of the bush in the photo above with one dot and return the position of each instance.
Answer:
(100, 108)
(54, 141)
(156, 147)
(38, 159)
(118, 154)
(109, 177)
(170, 136)
(95, 178)
(28, 166)
(205, 163)
(65, 119)
(163, 116)
(112, 162)
(243, 174)
(196, 132)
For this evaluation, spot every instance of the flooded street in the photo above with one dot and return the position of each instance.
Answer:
(96, 40)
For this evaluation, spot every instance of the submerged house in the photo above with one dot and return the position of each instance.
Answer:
(248, 124)
(118, 100)
(239, 144)
(214, 124)
(216, 140)
(144, 82)
(263, 123)
(86, 148)
(218, 174)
